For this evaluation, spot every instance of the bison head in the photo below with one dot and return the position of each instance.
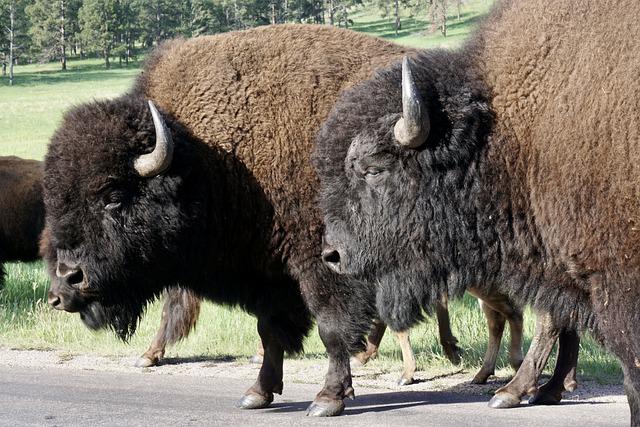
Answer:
(384, 156)
(117, 215)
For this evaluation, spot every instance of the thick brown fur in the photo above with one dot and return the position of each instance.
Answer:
(21, 210)
(527, 181)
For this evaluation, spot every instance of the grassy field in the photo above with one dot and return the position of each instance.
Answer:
(30, 112)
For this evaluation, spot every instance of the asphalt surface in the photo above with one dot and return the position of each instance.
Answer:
(64, 397)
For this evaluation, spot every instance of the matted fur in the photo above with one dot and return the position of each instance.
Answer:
(528, 181)
(21, 210)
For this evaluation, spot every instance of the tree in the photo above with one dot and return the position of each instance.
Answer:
(15, 24)
(53, 28)
(99, 24)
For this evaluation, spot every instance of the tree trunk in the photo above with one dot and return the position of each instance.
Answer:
(331, 13)
(106, 59)
(433, 5)
(63, 41)
(444, 18)
(273, 12)
(387, 6)
(459, 4)
(158, 26)
(12, 10)
(397, 14)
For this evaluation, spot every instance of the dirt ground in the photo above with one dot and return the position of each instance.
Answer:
(371, 376)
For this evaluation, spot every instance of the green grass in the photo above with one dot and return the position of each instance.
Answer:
(416, 27)
(32, 108)
(26, 322)
(29, 114)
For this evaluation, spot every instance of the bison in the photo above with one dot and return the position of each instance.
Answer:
(509, 165)
(213, 190)
(21, 210)
(21, 223)
(201, 177)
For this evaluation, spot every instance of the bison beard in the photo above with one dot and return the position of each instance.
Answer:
(524, 184)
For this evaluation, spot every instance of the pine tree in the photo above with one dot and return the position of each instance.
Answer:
(99, 23)
(53, 28)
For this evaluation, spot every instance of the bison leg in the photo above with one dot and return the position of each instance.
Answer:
(447, 340)
(408, 358)
(329, 402)
(495, 323)
(373, 343)
(259, 356)
(525, 380)
(564, 374)
(179, 316)
(269, 381)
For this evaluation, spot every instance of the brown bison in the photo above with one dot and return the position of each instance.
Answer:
(213, 190)
(509, 165)
(21, 210)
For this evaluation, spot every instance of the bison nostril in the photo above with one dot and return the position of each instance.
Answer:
(331, 256)
(53, 300)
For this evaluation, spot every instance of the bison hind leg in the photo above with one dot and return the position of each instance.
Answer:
(179, 316)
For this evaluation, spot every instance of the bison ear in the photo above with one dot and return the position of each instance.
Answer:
(159, 160)
(412, 129)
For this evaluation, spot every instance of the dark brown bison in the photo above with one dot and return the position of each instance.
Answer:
(510, 165)
(21, 210)
(213, 192)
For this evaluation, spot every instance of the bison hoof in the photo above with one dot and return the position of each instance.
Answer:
(504, 400)
(146, 362)
(454, 355)
(405, 381)
(255, 401)
(256, 359)
(330, 408)
(544, 399)
(480, 378)
(570, 385)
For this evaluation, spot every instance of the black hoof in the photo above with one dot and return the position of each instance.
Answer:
(544, 399)
(504, 400)
(145, 362)
(405, 381)
(255, 401)
(325, 409)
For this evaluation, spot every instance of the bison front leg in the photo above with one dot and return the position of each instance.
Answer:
(269, 381)
(564, 375)
(525, 380)
(329, 402)
(179, 316)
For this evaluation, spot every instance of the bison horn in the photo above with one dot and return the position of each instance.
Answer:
(412, 129)
(159, 160)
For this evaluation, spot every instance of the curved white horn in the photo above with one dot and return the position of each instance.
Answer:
(159, 160)
(412, 129)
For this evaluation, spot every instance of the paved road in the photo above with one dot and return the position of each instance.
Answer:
(62, 397)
